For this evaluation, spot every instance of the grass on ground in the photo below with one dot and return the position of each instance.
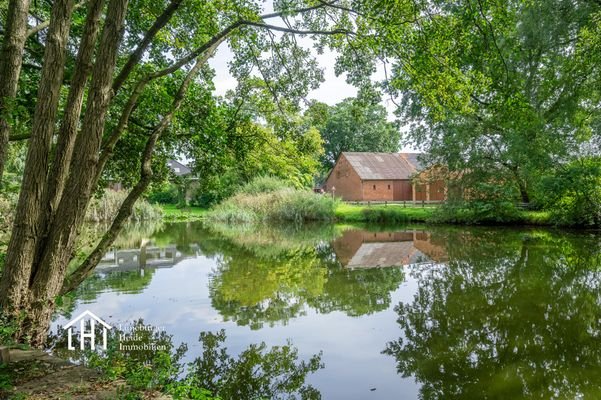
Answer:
(346, 212)
(382, 213)
(172, 213)
(414, 213)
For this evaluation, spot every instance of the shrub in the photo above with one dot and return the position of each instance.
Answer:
(268, 198)
(164, 194)
(573, 194)
(477, 212)
(264, 184)
(106, 207)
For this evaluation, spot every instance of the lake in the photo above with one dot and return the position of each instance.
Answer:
(398, 312)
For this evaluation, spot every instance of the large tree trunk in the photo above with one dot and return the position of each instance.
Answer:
(30, 209)
(56, 193)
(49, 271)
(11, 59)
(83, 271)
(68, 130)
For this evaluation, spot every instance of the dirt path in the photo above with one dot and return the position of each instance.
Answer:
(36, 375)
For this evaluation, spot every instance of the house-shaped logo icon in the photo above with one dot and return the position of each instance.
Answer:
(91, 334)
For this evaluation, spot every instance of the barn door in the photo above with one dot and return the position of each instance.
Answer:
(401, 190)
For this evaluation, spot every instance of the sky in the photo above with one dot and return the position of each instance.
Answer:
(332, 90)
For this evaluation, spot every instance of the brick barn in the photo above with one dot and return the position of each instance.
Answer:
(382, 177)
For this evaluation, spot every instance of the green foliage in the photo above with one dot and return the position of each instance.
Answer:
(353, 125)
(511, 315)
(269, 274)
(256, 373)
(284, 204)
(382, 213)
(166, 193)
(573, 193)
(174, 213)
(263, 184)
(498, 87)
(8, 328)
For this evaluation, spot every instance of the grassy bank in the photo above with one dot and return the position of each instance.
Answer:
(311, 209)
(172, 213)
(398, 213)
(382, 213)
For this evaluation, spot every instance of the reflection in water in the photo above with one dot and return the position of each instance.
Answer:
(484, 313)
(146, 358)
(365, 249)
(508, 317)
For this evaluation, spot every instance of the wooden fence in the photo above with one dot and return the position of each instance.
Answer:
(404, 203)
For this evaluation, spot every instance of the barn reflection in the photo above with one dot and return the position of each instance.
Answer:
(366, 249)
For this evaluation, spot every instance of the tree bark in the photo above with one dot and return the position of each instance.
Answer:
(47, 275)
(26, 230)
(11, 59)
(68, 130)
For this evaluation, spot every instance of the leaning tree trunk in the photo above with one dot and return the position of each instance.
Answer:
(52, 204)
(11, 59)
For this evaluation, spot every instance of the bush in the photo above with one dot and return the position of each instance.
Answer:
(165, 194)
(264, 184)
(477, 212)
(275, 203)
(573, 194)
(106, 207)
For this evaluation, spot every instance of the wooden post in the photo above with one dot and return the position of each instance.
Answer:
(427, 192)
(413, 193)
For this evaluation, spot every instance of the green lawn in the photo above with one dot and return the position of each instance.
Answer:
(536, 217)
(415, 213)
(382, 213)
(362, 213)
(172, 213)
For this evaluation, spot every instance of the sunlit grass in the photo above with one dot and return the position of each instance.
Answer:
(383, 213)
(172, 213)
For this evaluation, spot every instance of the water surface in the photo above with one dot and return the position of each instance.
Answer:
(398, 312)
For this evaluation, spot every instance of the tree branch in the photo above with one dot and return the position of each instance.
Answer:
(45, 24)
(83, 270)
(135, 57)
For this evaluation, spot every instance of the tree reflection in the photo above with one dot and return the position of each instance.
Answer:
(512, 315)
(260, 279)
(145, 357)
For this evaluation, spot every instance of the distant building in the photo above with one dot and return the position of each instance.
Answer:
(178, 168)
(383, 177)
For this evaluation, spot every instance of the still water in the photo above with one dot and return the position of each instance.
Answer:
(398, 312)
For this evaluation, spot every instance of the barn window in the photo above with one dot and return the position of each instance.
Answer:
(374, 187)
(388, 187)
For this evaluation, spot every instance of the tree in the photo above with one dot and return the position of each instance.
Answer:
(508, 87)
(261, 136)
(353, 125)
(108, 79)
(516, 320)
